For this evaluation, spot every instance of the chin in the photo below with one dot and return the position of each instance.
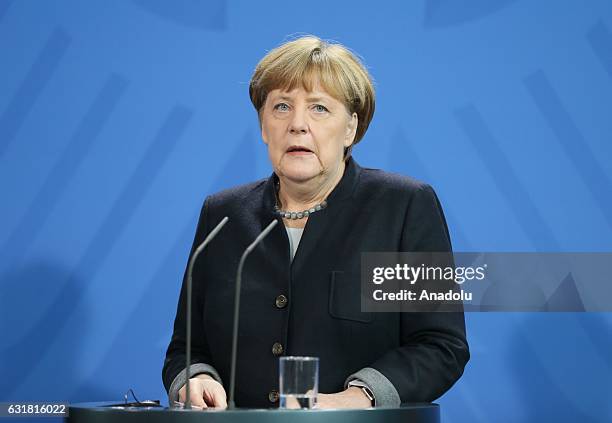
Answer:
(300, 173)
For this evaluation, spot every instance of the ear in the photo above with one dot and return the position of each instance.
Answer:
(264, 136)
(351, 130)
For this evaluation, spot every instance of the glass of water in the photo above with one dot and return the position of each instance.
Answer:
(298, 382)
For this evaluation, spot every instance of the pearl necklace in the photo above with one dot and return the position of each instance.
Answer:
(297, 215)
(301, 214)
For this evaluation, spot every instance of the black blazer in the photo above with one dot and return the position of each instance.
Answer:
(422, 354)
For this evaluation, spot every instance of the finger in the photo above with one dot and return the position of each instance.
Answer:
(292, 403)
(196, 394)
(197, 401)
(183, 391)
(215, 397)
(323, 401)
(220, 398)
(220, 401)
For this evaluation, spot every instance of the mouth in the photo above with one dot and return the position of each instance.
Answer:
(298, 149)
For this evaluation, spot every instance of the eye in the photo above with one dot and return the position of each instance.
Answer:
(319, 108)
(281, 107)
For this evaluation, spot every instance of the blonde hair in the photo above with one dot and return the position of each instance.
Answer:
(308, 60)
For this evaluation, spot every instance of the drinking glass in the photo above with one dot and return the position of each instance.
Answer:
(298, 381)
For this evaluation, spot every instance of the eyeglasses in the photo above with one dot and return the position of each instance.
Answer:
(136, 402)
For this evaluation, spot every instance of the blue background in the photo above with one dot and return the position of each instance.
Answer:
(118, 117)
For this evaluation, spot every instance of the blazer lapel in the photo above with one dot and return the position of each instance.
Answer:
(321, 223)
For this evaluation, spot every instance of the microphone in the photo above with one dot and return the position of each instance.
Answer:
(248, 250)
(194, 256)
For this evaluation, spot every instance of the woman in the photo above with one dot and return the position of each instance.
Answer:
(301, 286)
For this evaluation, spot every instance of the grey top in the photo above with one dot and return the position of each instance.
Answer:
(294, 234)
(382, 389)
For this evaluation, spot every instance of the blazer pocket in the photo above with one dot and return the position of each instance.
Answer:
(345, 298)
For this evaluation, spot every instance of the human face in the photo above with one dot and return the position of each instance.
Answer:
(306, 133)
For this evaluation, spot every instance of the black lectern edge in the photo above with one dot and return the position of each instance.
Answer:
(114, 406)
(101, 413)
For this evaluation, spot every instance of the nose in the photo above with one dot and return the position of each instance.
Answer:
(298, 124)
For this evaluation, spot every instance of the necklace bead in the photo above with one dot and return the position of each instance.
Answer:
(301, 214)
(297, 215)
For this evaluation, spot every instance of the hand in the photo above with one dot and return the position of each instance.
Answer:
(205, 392)
(353, 397)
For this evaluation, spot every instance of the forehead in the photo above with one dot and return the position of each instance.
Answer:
(299, 92)
(316, 93)
(311, 79)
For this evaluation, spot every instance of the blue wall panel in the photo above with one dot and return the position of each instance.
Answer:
(118, 117)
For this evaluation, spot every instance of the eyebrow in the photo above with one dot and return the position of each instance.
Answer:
(309, 99)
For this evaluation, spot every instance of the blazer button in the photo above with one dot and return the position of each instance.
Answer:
(277, 349)
(281, 301)
(273, 395)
